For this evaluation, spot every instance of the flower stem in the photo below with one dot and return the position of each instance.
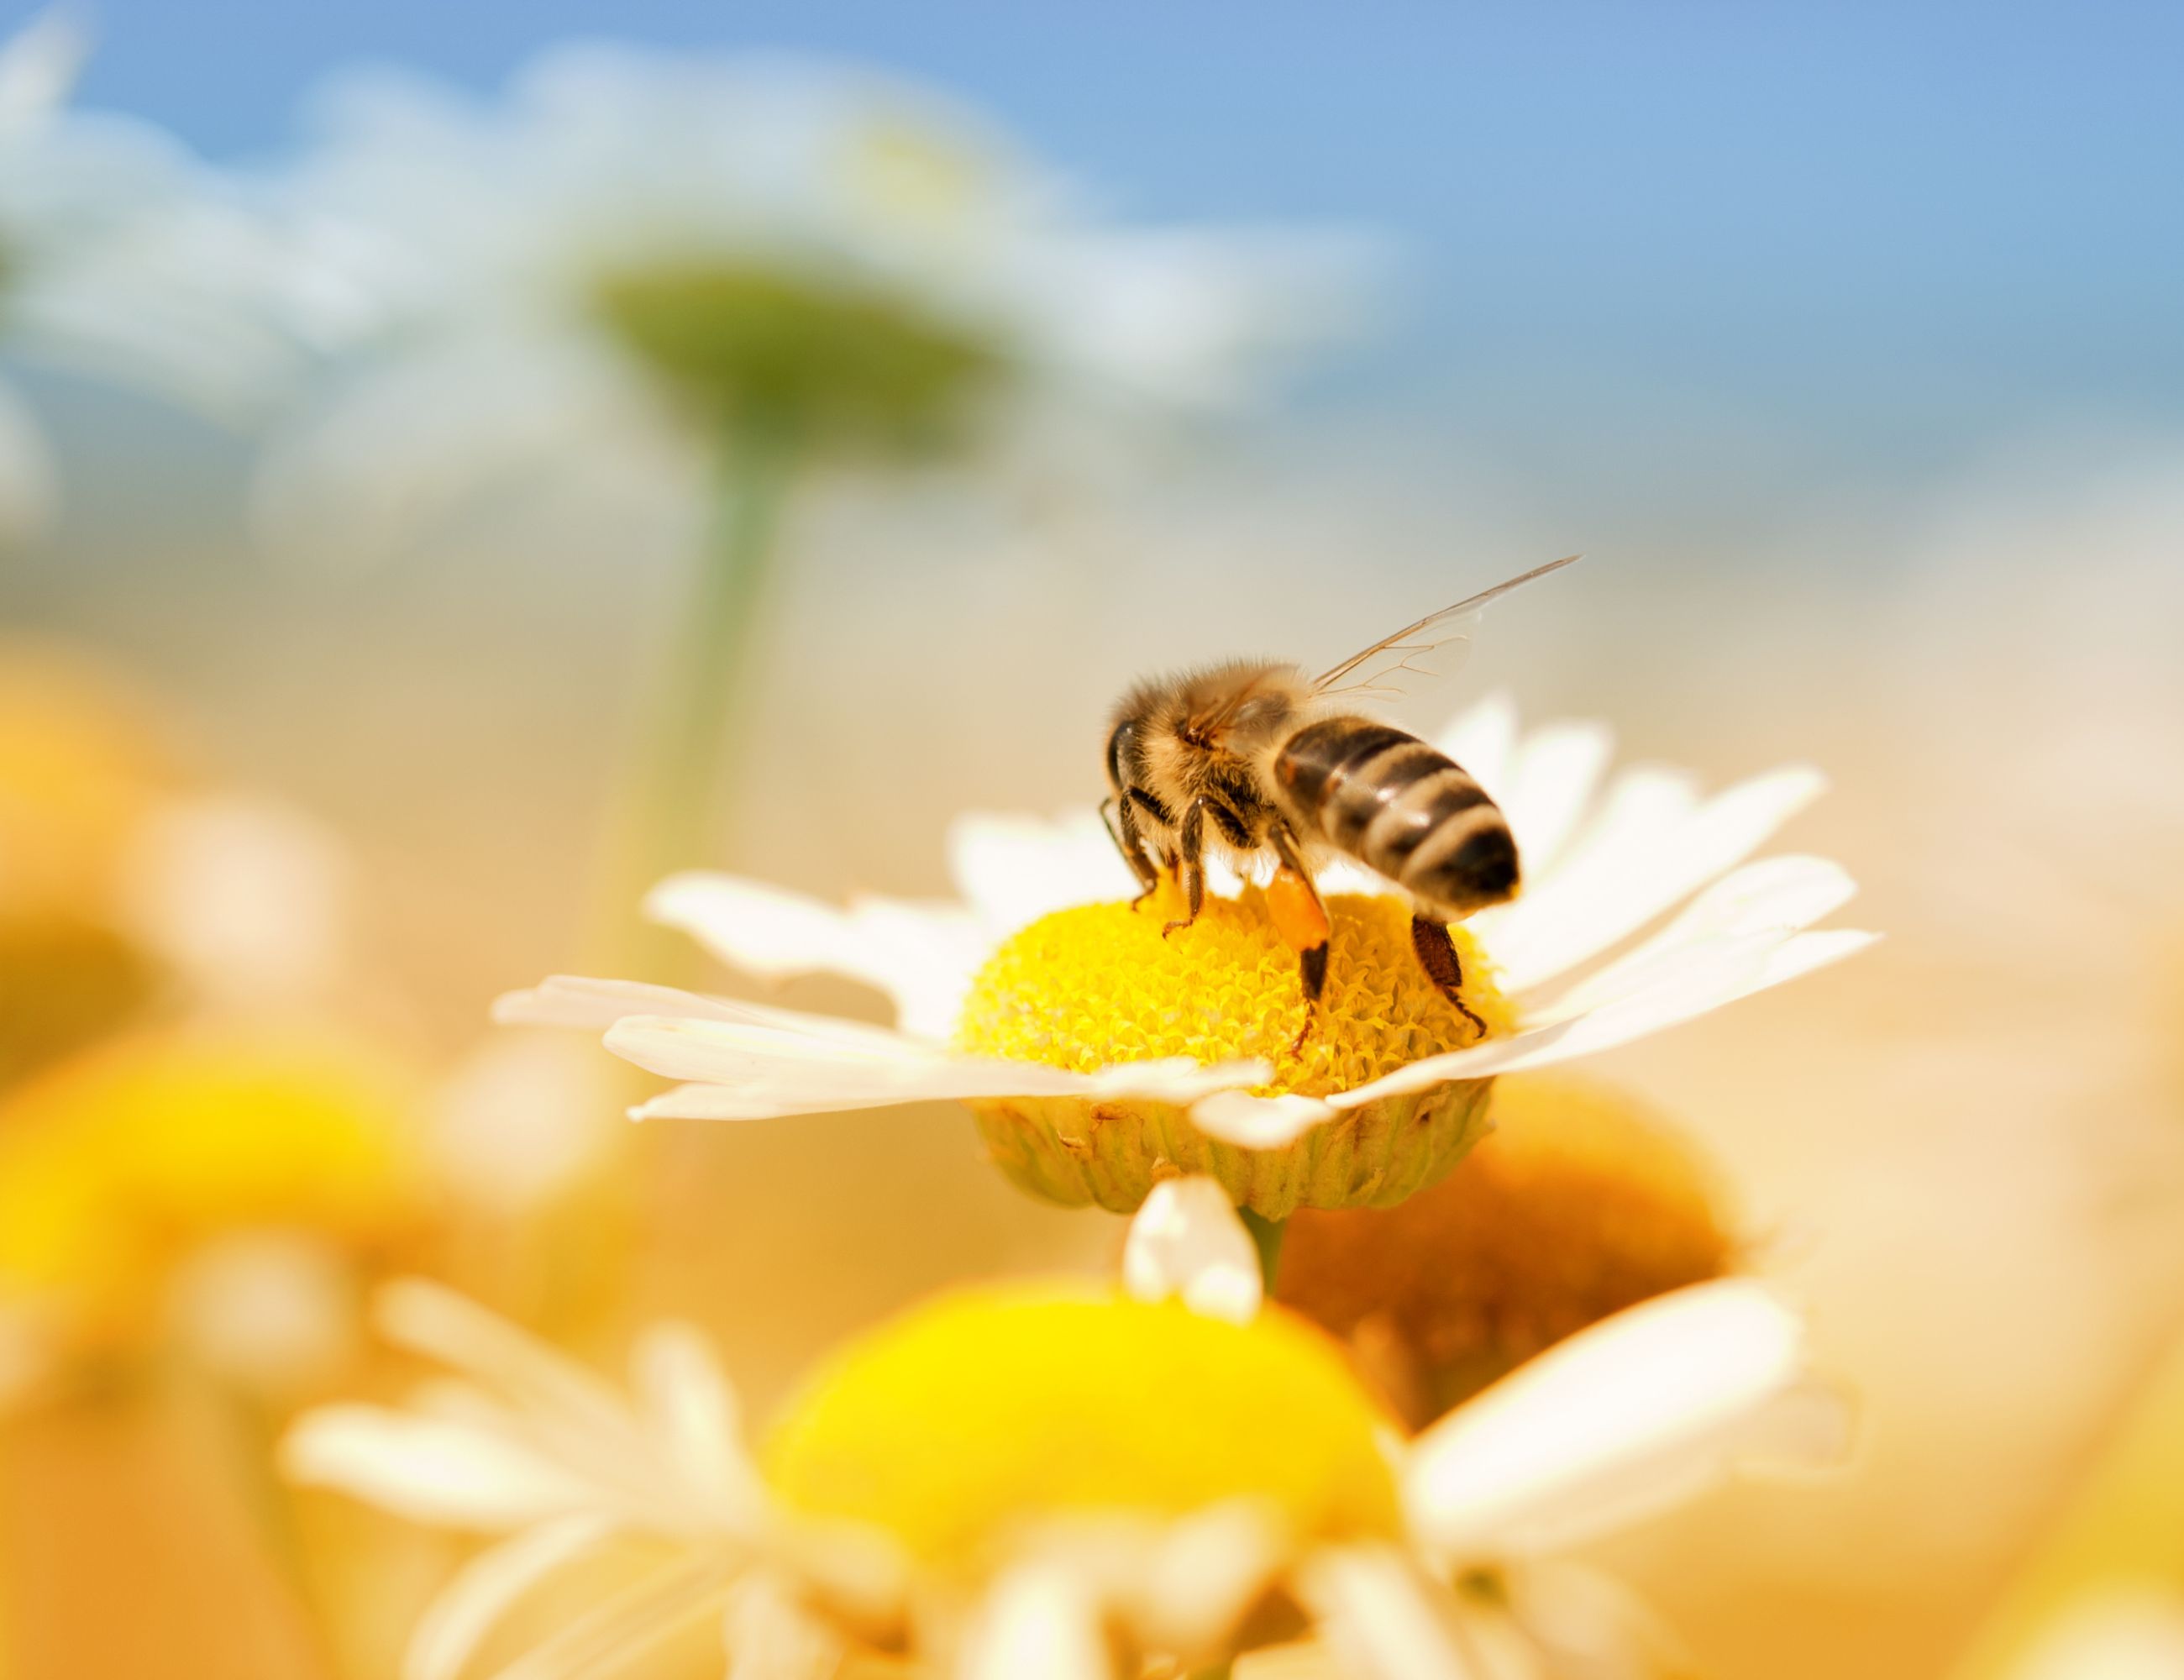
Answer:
(683, 797)
(1266, 1238)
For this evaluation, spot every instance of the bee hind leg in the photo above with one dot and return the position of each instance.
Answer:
(1436, 953)
(1299, 917)
(1120, 818)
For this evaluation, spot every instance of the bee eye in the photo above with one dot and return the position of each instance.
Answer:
(1117, 744)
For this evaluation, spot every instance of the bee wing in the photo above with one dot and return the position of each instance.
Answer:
(1450, 624)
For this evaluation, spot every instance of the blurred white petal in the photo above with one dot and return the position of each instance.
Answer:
(1201, 1576)
(464, 1612)
(1379, 1617)
(1011, 870)
(2125, 1633)
(1639, 1412)
(1187, 1240)
(1550, 783)
(521, 1118)
(249, 899)
(772, 1636)
(1036, 1619)
(429, 1471)
(274, 1311)
(692, 1409)
(38, 68)
(922, 956)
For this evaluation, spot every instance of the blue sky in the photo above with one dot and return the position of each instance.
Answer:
(1900, 236)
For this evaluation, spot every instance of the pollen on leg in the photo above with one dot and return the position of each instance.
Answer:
(1095, 985)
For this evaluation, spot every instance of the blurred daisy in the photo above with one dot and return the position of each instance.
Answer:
(126, 884)
(698, 277)
(702, 258)
(1060, 1480)
(122, 256)
(1581, 1203)
(227, 1193)
(1100, 1057)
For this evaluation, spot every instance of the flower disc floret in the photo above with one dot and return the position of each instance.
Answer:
(987, 1414)
(1100, 985)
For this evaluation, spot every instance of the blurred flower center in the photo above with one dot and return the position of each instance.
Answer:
(64, 981)
(961, 1424)
(744, 346)
(1581, 1203)
(1097, 985)
(114, 1166)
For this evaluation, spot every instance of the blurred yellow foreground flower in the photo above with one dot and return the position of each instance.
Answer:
(224, 1189)
(1102, 1058)
(1580, 1202)
(1055, 1479)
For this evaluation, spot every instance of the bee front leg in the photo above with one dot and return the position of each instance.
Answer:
(1191, 862)
(1437, 955)
(1301, 919)
(1121, 818)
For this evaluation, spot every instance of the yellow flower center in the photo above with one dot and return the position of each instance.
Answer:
(1088, 987)
(1581, 1203)
(116, 1164)
(964, 1422)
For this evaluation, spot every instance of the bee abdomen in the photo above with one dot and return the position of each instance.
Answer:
(1402, 809)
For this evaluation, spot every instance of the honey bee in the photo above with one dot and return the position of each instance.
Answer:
(1257, 757)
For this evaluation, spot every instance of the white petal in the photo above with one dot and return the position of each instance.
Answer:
(1549, 786)
(1013, 869)
(1681, 987)
(1588, 1624)
(923, 956)
(575, 1000)
(1186, 1240)
(1037, 1620)
(430, 1319)
(772, 1636)
(1483, 739)
(1259, 1122)
(1640, 1411)
(482, 1591)
(691, 1405)
(1651, 847)
(746, 1071)
(38, 67)
(2127, 1632)
(430, 1471)
(1203, 1574)
(1379, 1618)
(1779, 896)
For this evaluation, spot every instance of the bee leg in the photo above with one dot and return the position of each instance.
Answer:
(1301, 919)
(1190, 861)
(1437, 956)
(1123, 829)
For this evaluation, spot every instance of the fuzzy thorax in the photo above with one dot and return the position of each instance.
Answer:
(1100, 985)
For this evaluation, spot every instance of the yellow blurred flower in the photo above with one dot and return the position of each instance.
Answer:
(83, 760)
(1050, 1478)
(1580, 1202)
(173, 1158)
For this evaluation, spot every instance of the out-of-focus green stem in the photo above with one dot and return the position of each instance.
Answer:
(1266, 1238)
(686, 782)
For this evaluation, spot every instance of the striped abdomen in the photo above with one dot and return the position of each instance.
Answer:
(1400, 807)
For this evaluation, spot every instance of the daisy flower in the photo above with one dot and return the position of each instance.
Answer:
(122, 256)
(1059, 1479)
(631, 252)
(1580, 1202)
(702, 278)
(223, 1192)
(1100, 1057)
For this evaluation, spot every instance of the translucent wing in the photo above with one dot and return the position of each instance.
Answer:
(1452, 624)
